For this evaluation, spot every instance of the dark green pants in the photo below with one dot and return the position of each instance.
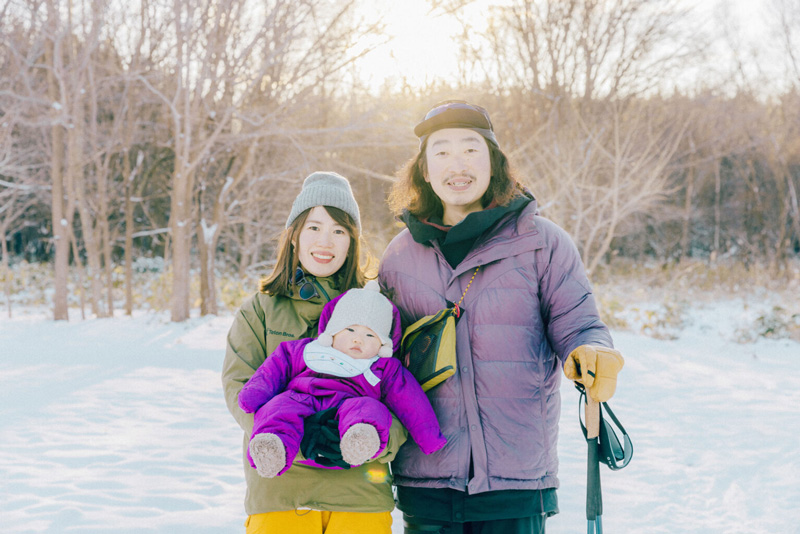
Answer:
(522, 525)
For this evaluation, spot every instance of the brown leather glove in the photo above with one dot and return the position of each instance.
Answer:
(596, 368)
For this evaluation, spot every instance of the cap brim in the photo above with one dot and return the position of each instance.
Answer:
(453, 118)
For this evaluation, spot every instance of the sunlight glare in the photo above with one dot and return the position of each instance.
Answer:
(421, 46)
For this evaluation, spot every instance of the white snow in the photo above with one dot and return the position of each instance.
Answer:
(119, 424)
(208, 231)
(228, 183)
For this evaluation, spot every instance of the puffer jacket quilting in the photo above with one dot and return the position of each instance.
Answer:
(286, 371)
(529, 305)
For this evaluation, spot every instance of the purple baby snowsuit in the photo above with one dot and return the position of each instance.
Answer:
(284, 391)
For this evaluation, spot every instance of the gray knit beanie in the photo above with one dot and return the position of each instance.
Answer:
(325, 189)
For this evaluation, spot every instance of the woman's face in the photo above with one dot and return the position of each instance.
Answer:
(322, 244)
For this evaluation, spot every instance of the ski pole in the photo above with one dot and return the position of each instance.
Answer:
(594, 496)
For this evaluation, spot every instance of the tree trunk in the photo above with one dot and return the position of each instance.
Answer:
(687, 213)
(717, 208)
(180, 219)
(6, 269)
(206, 244)
(208, 236)
(793, 202)
(108, 263)
(129, 177)
(60, 230)
(81, 273)
(88, 224)
(100, 164)
(128, 247)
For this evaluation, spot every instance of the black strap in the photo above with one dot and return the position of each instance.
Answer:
(605, 427)
(604, 407)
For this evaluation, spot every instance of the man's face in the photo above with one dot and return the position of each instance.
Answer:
(459, 170)
(357, 341)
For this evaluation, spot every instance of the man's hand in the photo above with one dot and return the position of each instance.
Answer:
(596, 368)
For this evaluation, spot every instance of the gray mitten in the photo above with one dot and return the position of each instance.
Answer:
(360, 443)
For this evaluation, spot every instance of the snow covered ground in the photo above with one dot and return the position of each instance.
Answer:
(119, 424)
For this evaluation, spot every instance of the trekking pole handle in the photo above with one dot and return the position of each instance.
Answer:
(592, 415)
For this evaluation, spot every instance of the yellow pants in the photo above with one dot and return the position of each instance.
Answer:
(314, 522)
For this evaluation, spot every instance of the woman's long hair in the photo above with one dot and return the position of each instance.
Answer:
(350, 275)
(411, 192)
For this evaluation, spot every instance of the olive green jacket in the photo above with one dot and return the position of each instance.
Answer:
(259, 326)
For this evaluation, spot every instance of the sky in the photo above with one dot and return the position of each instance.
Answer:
(421, 47)
(120, 425)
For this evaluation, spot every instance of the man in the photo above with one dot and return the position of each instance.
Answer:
(528, 312)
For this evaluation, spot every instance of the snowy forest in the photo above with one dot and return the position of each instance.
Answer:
(169, 136)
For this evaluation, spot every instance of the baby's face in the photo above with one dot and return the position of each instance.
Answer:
(357, 341)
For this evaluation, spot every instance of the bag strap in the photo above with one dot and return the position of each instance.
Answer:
(457, 307)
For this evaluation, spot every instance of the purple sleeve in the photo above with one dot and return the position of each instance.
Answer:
(568, 305)
(271, 377)
(403, 395)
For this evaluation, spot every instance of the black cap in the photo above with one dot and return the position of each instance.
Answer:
(456, 114)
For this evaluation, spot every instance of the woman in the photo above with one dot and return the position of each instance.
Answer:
(318, 258)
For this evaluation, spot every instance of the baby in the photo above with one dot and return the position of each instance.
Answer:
(349, 366)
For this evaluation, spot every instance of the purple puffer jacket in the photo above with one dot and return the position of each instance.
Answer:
(529, 306)
(284, 373)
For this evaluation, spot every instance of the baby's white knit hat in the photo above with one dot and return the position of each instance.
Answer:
(366, 307)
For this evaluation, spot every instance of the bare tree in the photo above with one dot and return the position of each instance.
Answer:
(594, 171)
(61, 215)
(17, 188)
(595, 150)
(785, 15)
(783, 146)
(271, 58)
(588, 48)
(30, 44)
